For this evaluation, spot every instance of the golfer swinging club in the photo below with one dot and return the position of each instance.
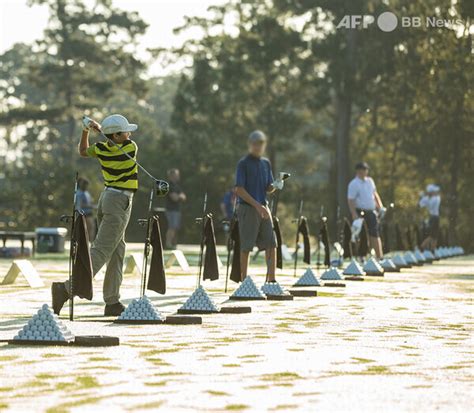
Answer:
(114, 208)
(254, 180)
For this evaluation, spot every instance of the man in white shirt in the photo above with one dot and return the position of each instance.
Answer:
(431, 201)
(364, 201)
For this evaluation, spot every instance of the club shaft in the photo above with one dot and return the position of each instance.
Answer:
(128, 156)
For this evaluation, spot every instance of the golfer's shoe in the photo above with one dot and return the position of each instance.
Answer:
(114, 309)
(60, 296)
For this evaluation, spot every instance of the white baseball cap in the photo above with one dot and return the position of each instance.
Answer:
(432, 188)
(116, 124)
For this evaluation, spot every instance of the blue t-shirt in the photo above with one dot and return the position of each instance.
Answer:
(84, 202)
(254, 175)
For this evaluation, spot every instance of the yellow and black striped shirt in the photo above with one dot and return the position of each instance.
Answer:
(118, 171)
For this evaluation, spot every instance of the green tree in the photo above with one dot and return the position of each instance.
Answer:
(85, 63)
(238, 84)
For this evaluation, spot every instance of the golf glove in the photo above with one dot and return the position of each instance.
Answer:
(86, 123)
(278, 184)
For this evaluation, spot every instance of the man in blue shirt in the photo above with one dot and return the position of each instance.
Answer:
(254, 180)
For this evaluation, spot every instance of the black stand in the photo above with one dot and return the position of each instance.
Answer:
(71, 219)
(297, 247)
(146, 247)
(230, 245)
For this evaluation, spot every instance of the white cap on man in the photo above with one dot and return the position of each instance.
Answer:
(432, 188)
(117, 123)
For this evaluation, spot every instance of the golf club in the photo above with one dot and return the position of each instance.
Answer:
(162, 187)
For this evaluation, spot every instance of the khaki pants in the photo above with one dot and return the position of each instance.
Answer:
(113, 214)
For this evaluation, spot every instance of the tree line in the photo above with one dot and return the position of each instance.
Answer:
(326, 98)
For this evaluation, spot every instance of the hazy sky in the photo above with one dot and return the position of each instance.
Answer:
(20, 23)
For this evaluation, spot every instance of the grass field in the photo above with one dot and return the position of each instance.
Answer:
(399, 343)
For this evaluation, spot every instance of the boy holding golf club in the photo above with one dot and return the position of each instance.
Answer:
(254, 180)
(120, 173)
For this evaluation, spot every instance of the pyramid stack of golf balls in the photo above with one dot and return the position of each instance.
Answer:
(354, 268)
(444, 252)
(248, 289)
(308, 279)
(410, 258)
(272, 288)
(373, 267)
(45, 326)
(400, 262)
(200, 301)
(428, 255)
(141, 309)
(332, 274)
(419, 256)
(388, 265)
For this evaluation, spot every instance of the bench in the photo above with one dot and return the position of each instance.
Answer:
(19, 236)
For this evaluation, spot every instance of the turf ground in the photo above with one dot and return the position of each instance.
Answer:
(399, 343)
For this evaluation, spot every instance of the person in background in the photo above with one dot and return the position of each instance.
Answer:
(175, 198)
(227, 208)
(365, 201)
(253, 181)
(431, 200)
(84, 203)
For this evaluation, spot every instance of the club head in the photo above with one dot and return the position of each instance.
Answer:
(284, 176)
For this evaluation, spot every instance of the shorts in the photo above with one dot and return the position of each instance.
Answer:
(370, 218)
(174, 219)
(254, 230)
(433, 226)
